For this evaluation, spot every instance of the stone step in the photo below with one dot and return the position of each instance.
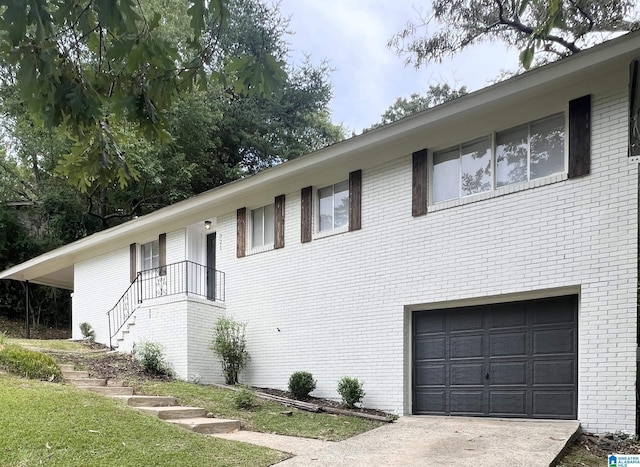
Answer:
(73, 374)
(66, 367)
(88, 381)
(148, 401)
(109, 390)
(172, 413)
(207, 426)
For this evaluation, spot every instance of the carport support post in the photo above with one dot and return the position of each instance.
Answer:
(26, 311)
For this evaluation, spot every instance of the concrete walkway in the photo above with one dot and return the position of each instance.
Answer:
(420, 441)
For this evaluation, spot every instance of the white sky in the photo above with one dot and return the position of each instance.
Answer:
(353, 34)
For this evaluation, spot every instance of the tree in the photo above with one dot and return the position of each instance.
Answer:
(85, 66)
(402, 107)
(552, 28)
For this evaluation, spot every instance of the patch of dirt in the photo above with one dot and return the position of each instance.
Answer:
(323, 402)
(15, 329)
(111, 365)
(610, 443)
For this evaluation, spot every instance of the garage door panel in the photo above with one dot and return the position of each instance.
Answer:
(430, 323)
(554, 342)
(469, 374)
(554, 372)
(505, 316)
(511, 344)
(509, 360)
(466, 320)
(429, 348)
(432, 402)
(467, 402)
(508, 403)
(466, 346)
(431, 375)
(508, 373)
(554, 404)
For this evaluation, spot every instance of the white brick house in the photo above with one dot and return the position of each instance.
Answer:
(479, 258)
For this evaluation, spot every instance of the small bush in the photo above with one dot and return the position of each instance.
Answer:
(151, 357)
(87, 332)
(230, 347)
(244, 398)
(301, 384)
(351, 391)
(28, 363)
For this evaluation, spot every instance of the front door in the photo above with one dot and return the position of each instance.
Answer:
(211, 266)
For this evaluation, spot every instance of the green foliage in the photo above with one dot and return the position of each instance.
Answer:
(230, 346)
(551, 28)
(244, 398)
(87, 331)
(3, 338)
(351, 391)
(301, 384)
(28, 363)
(151, 357)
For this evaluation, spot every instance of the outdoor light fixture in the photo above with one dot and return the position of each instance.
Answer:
(207, 225)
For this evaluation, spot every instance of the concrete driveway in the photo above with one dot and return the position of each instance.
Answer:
(455, 441)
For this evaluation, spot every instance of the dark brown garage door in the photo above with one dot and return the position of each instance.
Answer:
(514, 359)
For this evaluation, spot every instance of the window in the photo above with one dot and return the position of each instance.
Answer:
(520, 154)
(333, 206)
(150, 253)
(262, 226)
(531, 151)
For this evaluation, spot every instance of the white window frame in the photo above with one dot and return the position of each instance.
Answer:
(265, 246)
(154, 247)
(318, 233)
(495, 189)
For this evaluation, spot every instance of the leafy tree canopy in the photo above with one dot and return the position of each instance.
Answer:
(84, 66)
(403, 107)
(550, 28)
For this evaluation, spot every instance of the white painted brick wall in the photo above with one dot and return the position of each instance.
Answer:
(336, 306)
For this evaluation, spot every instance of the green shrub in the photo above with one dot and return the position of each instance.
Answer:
(87, 332)
(151, 357)
(3, 338)
(351, 391)
(28, 363)
(244, 398)
(301, 384)
(230, 346)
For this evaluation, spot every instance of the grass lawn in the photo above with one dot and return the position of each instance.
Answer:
(54, 424)
(267, 417)
(50, 344)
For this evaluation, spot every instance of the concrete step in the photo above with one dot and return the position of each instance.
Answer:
(109, 390)
(208, 426)
(73, 374)
(148, 401)
(88, 381)
(66, 367)
(172, 413)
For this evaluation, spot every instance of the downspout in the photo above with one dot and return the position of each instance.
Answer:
(26, 311)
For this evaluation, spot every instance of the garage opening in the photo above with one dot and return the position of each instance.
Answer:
(517, 359)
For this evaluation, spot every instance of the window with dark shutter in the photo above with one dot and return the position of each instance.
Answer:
(241, 232)
(634, 109)
(306, 220)
(579, 137)
(419, 183)
(279, 222)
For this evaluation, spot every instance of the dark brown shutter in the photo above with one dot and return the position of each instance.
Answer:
(634, 108)
(419, 183)
(162, 255)
(306, 221)
(278, 241)
(355, 200)
(133, 249)
(241, 233)
(580, 136)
